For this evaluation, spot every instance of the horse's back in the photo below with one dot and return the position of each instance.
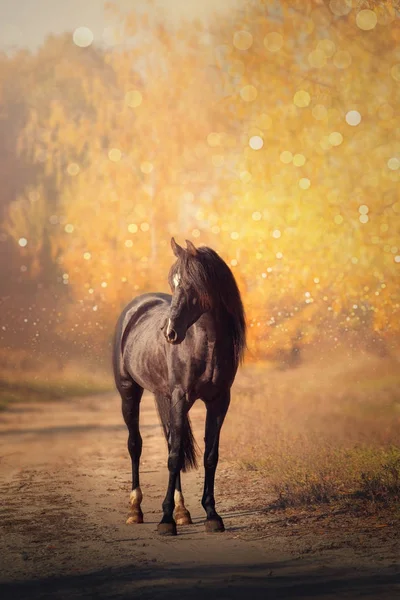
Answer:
(138, 326)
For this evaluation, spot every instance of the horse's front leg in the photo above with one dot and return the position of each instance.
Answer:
(167, 525)
(216, 411)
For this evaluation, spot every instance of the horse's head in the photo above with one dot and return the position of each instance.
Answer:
(189, 297)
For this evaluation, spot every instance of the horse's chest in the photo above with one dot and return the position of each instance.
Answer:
(216, 373)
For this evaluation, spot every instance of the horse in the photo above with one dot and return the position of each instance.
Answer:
(181, 347)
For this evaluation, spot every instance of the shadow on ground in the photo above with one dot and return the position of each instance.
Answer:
(279, 580)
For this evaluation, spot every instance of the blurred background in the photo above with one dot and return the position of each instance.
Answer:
(269, 131)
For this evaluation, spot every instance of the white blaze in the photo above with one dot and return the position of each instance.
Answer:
(176, 279)
(169, 326)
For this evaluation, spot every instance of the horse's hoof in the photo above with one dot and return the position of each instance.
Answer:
(167, 528)
(214, 525)
(136, 517)
(182, 517)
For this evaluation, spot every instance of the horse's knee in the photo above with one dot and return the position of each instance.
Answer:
(135, 445)
(211, 461)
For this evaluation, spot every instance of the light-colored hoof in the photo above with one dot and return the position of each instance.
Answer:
(182, 517)
(167, 528)
(136, 517)
(214, 525)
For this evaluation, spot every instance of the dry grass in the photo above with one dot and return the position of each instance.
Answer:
(29, 378)
(328, 430)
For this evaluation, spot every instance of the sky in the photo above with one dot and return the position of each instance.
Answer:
(26, 23)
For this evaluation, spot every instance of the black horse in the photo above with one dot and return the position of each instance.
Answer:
(182, 348)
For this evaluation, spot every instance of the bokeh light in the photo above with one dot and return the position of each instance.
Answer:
(273, 41)
(114, 154)
(304, 183)
(248, 93)
(242, 40)
(83, 37)
(272, 140)
(133, 98)
(256, 142)
(366, 19)
(302, 98)
(353, 118)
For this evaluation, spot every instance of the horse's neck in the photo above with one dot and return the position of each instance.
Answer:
(215, 324)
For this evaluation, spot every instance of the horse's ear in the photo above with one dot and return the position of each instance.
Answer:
(177, 249)
(191, 248)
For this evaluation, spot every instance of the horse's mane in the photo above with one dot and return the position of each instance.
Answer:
(216, 288)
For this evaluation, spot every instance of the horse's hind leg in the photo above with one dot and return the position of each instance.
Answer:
(131, 394)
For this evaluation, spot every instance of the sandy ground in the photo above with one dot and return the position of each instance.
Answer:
(65, 482)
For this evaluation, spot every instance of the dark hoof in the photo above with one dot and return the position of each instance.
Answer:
(182, 517)
(167, 528)
(214, 525)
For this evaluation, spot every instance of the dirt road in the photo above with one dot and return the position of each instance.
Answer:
(64, 496)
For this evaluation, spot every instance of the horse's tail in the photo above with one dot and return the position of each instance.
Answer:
(189, 445)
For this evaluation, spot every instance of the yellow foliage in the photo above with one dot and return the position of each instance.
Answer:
(272, 136)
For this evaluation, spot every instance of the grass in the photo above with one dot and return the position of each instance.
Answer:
(50, 383)
(321, 433)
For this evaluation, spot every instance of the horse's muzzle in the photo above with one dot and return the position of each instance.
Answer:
(171, 335)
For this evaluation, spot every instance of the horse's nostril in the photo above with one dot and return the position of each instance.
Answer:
(172, 335)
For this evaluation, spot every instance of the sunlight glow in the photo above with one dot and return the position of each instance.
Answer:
(256, 142)
(340, 8)
(83, 37)
(242, 40)
(286, 157)
(304, 183)
(393, 163)
(133, 98)
(299, 160)
(302, 98)
(73, 169)
(335, 138)
(115, 154)
(366, 19)
(353, 118)
(273, 41)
